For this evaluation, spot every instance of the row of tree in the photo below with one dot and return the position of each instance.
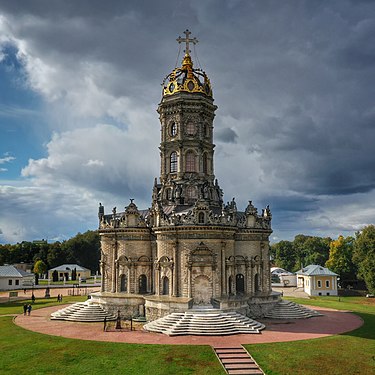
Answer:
(83, 249)
(352, 258)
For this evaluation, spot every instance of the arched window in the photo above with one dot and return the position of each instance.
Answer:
(205, 163)
(142, 284)
(190, 162)
(191, 129)
(173, 162)
(240, 283)
(173, 129)
(124, 283)
(165, 291)
(191, 192)
(168, 194)
(201, 218)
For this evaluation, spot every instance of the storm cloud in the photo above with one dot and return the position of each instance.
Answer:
(293, 82)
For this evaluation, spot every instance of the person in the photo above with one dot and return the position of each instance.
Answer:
(29, 309)
(58, 298)
(33, 298)
(24, 309)
(24, 291)
(105, 324)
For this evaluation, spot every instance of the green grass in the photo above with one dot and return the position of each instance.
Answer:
(349, 353)
(23, 351)
(16, 307)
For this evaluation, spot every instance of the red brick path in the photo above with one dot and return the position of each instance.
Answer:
(333, 322)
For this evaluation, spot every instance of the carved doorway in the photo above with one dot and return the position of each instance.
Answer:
(202, 290)
(123, 283)
(240, 284)
(165, 291)
(142, 284)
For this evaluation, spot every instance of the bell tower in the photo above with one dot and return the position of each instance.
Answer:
(186, 114)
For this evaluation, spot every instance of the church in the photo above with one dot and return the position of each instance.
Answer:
(190, 249)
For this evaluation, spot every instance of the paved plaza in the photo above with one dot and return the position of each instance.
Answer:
(331, 323)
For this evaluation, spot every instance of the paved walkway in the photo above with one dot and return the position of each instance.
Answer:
(333, 322)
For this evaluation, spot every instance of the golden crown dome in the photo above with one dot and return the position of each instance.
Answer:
(186, 78)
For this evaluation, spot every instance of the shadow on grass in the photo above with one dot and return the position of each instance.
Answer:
(367, 331)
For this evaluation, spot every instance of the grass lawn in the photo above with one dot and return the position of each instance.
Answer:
(23, 351)
(350, 353)
(26, 352)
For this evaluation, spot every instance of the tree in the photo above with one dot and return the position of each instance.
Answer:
(83, 249)
(341, 259)
(285, 256)
(40, 267)
(364, 256)
(316, 250)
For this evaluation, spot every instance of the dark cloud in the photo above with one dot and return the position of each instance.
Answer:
(226, 135)
(294, 85)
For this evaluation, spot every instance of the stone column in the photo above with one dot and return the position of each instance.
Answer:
(102, 270)
(246, 277)
(223, 275)
(175, 271)
(157, 279)
(114, 258)
(189, 281)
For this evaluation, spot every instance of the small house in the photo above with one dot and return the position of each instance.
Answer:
(12, 278)
(65, 271)
(317, 281)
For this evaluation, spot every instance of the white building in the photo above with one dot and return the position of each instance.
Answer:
(11, 278)
(317, 281)
(281, 277)
(65, 272)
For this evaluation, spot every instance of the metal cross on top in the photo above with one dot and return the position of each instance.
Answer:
(187, 40)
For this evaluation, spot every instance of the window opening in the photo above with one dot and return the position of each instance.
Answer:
(190, 162)
(173, 162)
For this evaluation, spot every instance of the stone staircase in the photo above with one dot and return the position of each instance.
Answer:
(83, 312)
(237, 361)
(204, 322)
(291, 310)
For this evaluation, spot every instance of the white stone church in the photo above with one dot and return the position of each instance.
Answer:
(190, 249)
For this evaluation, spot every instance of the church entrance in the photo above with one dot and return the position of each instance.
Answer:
(123, 286)
(240, 284)
(165, 291)
(142, 284)
(202, 290)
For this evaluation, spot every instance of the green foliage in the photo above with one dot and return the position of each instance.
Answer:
(40, 267)
(285, 256)
(364, 256)
(304, 250)
(83, 249)
(341, 259)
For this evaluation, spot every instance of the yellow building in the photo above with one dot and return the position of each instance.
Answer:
(317, 281)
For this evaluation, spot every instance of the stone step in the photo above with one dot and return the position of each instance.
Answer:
(83, 312)
(214, 323)
(237, 360)
(244, 372)
(291, 310)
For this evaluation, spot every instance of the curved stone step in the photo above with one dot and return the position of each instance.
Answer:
(83, 312)
(291, 310)
(207, 323)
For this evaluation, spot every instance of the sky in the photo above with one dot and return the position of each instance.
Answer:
(80, 82)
